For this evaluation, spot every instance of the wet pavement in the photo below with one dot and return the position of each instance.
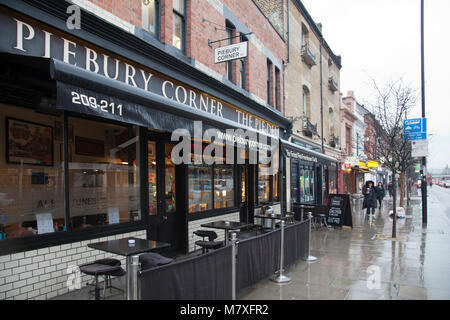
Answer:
(365, 264)
(416, 266)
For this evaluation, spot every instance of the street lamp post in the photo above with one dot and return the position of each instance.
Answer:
(424, 160)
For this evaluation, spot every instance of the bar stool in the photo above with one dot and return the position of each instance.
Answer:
(119, 273)
(210, 244)
(98, 269)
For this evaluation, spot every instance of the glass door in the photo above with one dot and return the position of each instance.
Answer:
(164, 222)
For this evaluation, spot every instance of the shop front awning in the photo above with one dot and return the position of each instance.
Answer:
(85, 92)
(295, 151)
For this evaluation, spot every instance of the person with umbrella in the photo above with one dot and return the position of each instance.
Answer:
(370, 197)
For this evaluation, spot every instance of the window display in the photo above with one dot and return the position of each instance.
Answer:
(31, 174)
(200, 188)
(103, 185)
(223, 187)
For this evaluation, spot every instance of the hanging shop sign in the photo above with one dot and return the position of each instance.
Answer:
(231, 52)
(27, 38)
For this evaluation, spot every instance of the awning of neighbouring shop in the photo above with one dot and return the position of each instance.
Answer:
(295, 151)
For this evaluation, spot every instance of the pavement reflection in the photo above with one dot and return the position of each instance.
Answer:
(364, 263)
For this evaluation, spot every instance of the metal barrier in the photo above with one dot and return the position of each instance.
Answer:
(281, 277)
(310, 258)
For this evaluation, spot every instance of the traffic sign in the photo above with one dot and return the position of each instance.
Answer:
(415, 129)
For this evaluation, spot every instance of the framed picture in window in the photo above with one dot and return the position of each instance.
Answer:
(28, 142)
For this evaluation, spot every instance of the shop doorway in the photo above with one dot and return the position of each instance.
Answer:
(166, 219)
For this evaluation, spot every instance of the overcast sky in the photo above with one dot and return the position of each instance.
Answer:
(381, 40)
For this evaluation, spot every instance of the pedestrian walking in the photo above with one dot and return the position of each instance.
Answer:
(370, 197)
(381, 193)
(390, 189)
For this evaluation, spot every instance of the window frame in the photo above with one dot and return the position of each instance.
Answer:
(269, 82)
(183, 26)
(157, 14)
(14, 245)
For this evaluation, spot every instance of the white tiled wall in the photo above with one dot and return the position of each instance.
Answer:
(42, 274)
(195, 225)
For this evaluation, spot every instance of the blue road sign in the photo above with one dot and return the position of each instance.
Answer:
(415, 125)
(415, 129)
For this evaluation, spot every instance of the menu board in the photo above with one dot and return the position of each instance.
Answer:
(340, 212)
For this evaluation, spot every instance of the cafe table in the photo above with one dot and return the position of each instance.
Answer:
(123, 247)
(227, 226)
(274, 216)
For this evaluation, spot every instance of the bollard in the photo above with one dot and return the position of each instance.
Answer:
(281, 277)
(133, 283)
(234, 248)
(301, 218)
(310, 258)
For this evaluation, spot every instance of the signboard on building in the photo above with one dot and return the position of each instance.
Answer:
(231, 52)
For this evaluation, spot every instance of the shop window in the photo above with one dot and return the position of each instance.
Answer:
(179, 25)
(223, 187)
(302, 185)
(169, 179)
(295, 181)
(150, 16)
(200, 188)
(103, 174)
(152, 180)
(263, 183)
(31, 173)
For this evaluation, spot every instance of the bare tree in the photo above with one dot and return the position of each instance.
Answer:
(390, 108)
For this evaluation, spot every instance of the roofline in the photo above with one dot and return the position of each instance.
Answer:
(300, 6)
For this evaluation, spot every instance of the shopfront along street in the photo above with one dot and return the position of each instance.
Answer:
(211, 150)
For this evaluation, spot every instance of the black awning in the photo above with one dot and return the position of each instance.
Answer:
(296, 152)
(86, 92)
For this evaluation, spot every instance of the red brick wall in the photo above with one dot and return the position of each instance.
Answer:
(198, 31)
(128, 10)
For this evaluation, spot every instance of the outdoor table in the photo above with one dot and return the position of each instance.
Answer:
(275, 216)
(226, 226)
(123, 248)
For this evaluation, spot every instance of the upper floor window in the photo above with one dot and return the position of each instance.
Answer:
(277, 88)
(150, 16)
(179, 24)
(243, 68)
(229, 64)
(269, 82)
(305, 102)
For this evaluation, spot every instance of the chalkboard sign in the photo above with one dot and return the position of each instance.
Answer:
(340, 212)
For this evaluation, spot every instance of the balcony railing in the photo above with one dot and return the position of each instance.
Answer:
(308, 128)
(332, 84)
(308, 56)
